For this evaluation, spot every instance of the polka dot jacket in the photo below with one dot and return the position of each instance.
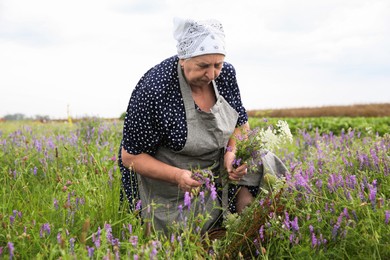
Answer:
(156, 116)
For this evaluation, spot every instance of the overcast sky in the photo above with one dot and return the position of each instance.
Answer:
(87, 55)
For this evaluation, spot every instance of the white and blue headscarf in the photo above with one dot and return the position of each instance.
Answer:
(196, 38)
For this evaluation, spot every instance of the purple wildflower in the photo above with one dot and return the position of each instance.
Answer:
(109, 235)
(351, 181)
(201, 196)
(261, 232)
(11, 219)
(11, 250)
(59, 239)
(187, 200)
(55, 203)
(314, 240)
(311, 229)
(372, 195)
(91, 250)
(291, 238)
(71, 243)
(154, 252)
(286, 220)
(134, 240)
(138, 205)
(45, 228)
(213, 192)
(130, 228)
(387, 216)
(96, 238)
(294, 224)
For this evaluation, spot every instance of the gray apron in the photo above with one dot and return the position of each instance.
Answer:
(207, 136)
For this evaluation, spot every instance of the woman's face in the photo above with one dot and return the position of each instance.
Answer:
(201, 70)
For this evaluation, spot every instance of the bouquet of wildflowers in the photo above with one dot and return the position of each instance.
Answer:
(250, 145)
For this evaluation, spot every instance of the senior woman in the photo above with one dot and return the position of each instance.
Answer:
(182, 114)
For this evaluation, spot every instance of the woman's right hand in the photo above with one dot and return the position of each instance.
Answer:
(185, 181)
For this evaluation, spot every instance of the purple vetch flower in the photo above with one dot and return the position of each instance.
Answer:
(311, 229)
(11, 219)
(372, 195)
(172, 238)
(153, 254)
(11, 250)
(59, 238)
(337, 226)
(201, 196)
(286, 221)
(71, 244)
(134, 240)
(387, 216)
(1, 250)
(130, 228)
(291, 238)
(55, 203)
(90, 250)
(96, 238)
(45, 228)
(35, 170)
(294, 224)
(314, 240)
(319, 184)
(345, 213)
(261, 233)
(187, 200)
(354, 215)
(213, 192)
(237, 162)
(108, 230)
(351, 181)
(374, 157)
(138, 205)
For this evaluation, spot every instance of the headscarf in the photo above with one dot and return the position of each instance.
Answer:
(196, 38)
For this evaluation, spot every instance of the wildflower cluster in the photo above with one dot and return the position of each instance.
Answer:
(250, 145)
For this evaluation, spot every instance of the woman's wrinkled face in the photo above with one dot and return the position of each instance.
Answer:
(201, 70)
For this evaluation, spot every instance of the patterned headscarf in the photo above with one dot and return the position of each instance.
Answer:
(196, 38)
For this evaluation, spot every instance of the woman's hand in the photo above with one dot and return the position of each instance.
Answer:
(185, 181)
(235, 174)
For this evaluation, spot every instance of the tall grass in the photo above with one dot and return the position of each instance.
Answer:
(60, 189)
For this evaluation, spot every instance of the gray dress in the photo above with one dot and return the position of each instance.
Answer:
(208, 135)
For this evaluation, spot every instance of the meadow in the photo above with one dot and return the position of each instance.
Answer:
(60, 187)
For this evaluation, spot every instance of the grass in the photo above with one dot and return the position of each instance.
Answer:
(59, 198)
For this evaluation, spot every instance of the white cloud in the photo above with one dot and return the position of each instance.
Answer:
(90, 54)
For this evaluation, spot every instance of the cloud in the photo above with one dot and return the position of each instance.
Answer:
(90, 54)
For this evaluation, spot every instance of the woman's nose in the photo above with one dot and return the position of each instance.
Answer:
(211, 73)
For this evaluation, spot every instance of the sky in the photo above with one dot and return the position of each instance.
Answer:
(84, 57)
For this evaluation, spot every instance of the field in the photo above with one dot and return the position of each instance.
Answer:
(61, 184)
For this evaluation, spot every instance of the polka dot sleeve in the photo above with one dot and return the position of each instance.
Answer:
(139, 135)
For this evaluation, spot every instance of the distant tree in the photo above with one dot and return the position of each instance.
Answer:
(15, 117)
(123, 115)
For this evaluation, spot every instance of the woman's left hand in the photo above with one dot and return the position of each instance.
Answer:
(235, 174)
